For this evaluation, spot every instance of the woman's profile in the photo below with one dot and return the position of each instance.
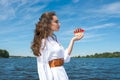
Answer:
(49, 53)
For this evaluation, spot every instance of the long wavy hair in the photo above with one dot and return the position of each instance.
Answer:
(42, 31)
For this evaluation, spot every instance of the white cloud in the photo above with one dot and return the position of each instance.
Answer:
(101, 26)
(91, 35)
(12, 39)
(37, 8)
(75, 1)
(11, 9)
(92, 39)
(26, 7)
(113, 8)
(102, 13)
(14, 29)
(6, 11)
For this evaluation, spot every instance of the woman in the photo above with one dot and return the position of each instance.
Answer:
(50, 54)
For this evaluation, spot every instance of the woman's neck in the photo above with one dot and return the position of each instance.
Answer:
(51, 34)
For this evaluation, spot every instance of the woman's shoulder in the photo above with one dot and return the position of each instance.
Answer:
(46, 39)
(43, 40)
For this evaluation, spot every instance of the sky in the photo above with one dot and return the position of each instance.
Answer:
(99, 18)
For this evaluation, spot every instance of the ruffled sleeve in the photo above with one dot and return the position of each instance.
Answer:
(44, 70)
(66, 56)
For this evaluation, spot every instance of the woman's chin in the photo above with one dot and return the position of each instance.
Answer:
(57, 29)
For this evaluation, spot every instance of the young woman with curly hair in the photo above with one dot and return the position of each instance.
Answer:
(50, 54)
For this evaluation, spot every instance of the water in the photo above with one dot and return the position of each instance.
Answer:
(77, 69)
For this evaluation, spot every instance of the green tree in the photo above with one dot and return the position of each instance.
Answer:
(4, 53)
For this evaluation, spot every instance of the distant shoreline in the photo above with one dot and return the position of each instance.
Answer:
(21, 57)
(101, 55)
(96, 55)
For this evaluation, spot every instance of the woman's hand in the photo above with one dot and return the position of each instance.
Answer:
(78, 37)
(78, 34)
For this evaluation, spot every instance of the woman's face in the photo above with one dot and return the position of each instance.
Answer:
(55, 25)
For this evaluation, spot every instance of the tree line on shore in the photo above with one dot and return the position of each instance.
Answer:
(4, 53)
(102, 55)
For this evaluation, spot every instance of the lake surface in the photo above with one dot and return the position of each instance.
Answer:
(77, 69)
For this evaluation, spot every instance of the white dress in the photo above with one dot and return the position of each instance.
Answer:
(52, 50)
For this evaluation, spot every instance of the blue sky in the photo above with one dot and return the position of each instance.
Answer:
(99, 18)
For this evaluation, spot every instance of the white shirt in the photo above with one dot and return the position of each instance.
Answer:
(52, 50)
